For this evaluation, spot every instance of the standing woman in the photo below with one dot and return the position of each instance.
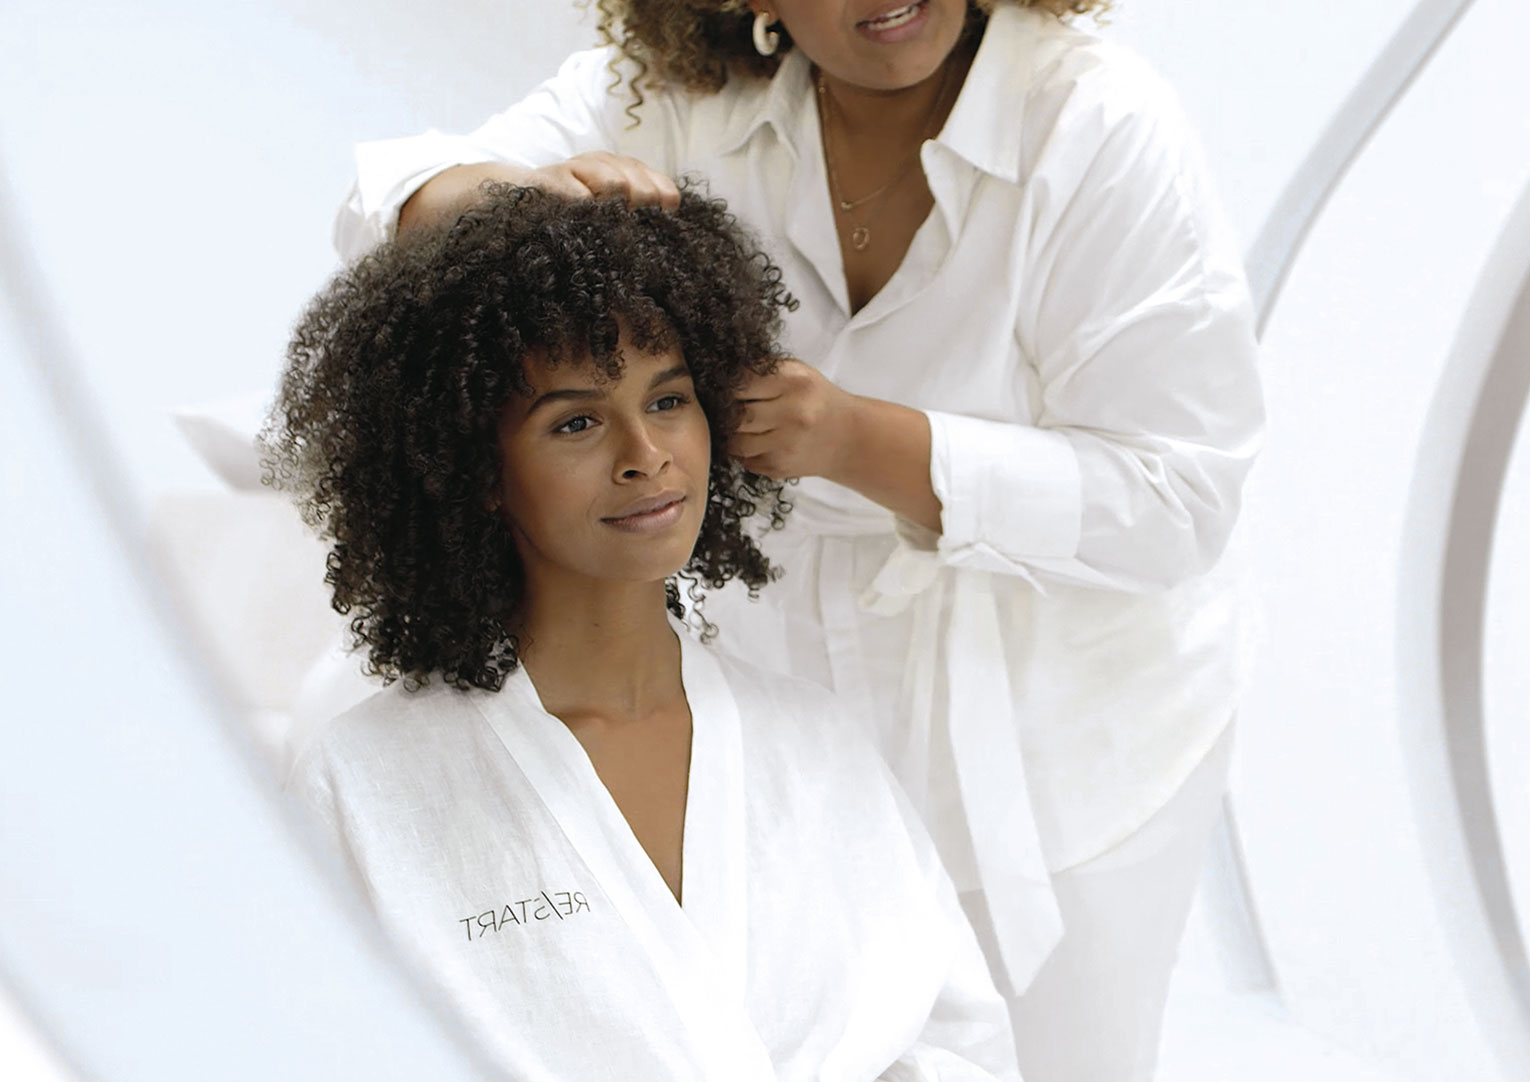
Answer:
(1024, 408)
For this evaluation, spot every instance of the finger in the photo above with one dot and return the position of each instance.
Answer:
(669, 192)
(604, 179)
(645, 186)
(561, 182)
(760, 389)
(755, 420)
(750, 445)
(766, 466)
(611, 186)
(648, 186)
(614, 176)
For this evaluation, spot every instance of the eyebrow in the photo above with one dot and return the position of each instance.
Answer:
(590, 394)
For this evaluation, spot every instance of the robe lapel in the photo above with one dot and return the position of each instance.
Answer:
(699, 952)
(714, 890)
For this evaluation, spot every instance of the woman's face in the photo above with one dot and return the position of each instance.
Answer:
(605, 479)
(873, 44)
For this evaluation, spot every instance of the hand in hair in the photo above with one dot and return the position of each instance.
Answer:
(796, 423)
(597, 175)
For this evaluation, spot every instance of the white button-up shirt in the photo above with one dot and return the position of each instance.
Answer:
(1073, 319)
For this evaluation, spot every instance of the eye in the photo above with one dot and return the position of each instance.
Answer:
(669, 402)
(575, 425)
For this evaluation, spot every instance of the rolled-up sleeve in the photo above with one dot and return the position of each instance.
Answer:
(1006, 487)
(1150, 406)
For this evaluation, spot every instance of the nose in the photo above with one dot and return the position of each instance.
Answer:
(641, 454)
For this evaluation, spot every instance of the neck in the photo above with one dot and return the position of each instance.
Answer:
(899, 116)
(607, 651)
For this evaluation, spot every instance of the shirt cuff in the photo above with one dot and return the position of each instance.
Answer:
(1005, 489)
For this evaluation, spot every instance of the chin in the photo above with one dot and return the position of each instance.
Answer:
(653, 566)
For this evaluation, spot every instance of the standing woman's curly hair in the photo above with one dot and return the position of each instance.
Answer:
(698, 44)
(386, 422)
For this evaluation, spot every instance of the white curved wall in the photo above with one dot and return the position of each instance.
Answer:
(1506, 666)
(1342, 874)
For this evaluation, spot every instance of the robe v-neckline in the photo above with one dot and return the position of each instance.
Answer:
(700, 945)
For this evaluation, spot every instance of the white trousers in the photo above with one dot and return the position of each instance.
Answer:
(1095, 1010)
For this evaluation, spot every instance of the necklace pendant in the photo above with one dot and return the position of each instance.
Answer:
(860, 238)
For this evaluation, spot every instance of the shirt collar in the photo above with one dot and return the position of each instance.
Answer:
(783, 106)
(985, 126)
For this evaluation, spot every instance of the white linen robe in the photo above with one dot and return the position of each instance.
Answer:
(819, 937)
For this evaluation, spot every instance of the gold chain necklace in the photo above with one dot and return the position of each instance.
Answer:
(860, 235)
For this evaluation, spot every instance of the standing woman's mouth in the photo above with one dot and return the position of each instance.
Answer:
(886, 24)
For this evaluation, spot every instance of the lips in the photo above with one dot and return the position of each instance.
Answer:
(650, 514)
(648, 505)
(894, 17)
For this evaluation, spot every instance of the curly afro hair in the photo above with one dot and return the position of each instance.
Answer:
(385, 424)
(698, 44)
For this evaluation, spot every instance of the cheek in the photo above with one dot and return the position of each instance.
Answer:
(539, 496)
(810, 23)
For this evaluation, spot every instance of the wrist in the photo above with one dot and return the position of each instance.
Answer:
(887, 459)
(444, 197)
(858, 440)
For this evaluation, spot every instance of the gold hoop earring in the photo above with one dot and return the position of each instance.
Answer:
(766, 41)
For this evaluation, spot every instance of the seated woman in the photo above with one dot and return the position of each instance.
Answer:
(617, 854)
